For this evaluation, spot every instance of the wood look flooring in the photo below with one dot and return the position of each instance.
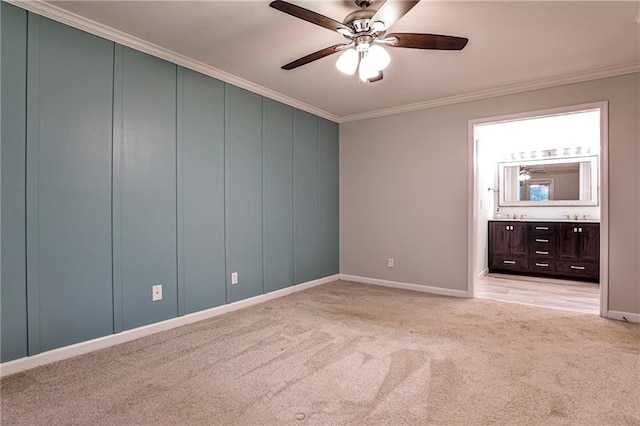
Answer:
(567, 295)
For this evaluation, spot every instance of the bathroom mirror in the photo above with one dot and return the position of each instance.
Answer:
(549, 182)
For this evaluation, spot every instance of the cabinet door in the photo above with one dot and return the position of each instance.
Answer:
(500, 239)
(518, 239)
(588, 246)
(568, 241)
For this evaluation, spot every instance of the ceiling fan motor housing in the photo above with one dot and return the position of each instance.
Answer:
(360, 20)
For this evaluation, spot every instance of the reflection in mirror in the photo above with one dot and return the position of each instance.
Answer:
(571, 181)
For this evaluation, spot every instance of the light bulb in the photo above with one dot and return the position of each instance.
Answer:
(367, 69)
(379, 57)
(348, 62)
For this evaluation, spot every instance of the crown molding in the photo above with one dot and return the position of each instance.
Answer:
(500, 91)
(58, 14)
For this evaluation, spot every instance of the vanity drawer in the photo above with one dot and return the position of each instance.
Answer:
(540, 265)
(542, 251)
(579, 269)
(542, 230)
(511, 263)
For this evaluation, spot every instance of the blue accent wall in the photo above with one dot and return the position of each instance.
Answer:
(13, 283)
(277, 211)
(201, 249)
(68, 185)
(306, 212)
(328, 197)
(243, 192)
(146, 236)
(121, 171)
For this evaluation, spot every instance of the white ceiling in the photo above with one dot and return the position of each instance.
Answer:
(510, 43)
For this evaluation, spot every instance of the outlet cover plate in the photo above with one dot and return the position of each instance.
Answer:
(156, 293)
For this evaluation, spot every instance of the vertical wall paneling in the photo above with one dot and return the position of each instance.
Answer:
(146, 240)
(305, 197)
(243, 192)
(179, 190)
(328, 158)
(201, 239)
(13, 281)
(277, 213)
(33, 295)
(116, 192)
(70, 79)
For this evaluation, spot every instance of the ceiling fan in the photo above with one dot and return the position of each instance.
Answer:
(365, 30)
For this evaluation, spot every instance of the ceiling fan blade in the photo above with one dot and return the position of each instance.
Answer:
(309, 16)
(376, 78)
(427, 41)
(392, 10)
(314, 56)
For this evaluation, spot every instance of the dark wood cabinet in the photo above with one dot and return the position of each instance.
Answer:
(579, 242)
(508, 246)
(579, 249)
(565, 249)
(509, 239)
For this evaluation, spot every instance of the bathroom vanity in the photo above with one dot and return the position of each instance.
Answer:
(562, 249)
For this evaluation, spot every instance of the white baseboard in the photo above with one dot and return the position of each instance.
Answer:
(26, 363)
(623, 316)
(406, 286)
(482, 273)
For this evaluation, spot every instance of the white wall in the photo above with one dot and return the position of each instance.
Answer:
(403, 187)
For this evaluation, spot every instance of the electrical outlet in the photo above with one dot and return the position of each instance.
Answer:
(156, 293)
(234, 278)
(390, 262)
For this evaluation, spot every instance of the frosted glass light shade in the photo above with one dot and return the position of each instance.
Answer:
(367, 69)
(379, 57)
(348, 62)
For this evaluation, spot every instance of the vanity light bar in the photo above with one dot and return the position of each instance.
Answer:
(548, 153)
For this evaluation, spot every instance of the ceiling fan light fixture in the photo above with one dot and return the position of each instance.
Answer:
(379, 57)
(348, 62)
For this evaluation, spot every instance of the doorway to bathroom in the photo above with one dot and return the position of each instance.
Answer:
(535, 173)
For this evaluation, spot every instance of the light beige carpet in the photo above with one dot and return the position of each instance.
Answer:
(346, 353)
